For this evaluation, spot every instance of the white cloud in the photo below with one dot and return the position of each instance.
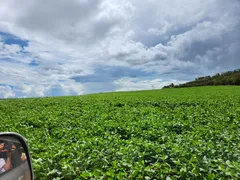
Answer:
(56, 89)
(9, 51)
(131, 84)
(6, 92)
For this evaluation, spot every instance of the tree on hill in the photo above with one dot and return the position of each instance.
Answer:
(226, 78)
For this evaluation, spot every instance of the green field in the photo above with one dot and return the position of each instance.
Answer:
(159, 134)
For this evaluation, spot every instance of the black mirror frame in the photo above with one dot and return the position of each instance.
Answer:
(22, 140)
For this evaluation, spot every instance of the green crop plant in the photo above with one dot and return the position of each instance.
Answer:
(189, 133)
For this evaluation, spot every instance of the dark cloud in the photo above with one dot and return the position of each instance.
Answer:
(103, 74)
(76, 21)
(50, 16)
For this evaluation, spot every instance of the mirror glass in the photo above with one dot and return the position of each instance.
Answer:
(13, 159)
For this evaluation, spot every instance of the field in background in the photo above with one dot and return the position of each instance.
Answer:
(161, 134)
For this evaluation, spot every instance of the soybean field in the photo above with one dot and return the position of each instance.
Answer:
(185, 133)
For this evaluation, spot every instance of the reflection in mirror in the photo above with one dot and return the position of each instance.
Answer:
(13, 159)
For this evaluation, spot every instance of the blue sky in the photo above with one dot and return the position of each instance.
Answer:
(75, 47)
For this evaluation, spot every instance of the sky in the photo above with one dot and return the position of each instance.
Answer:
(74, 47)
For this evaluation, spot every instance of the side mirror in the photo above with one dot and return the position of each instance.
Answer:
(15, 160)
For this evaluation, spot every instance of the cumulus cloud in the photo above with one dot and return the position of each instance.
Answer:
(47, 89)
(6, 92)
(57, 47)
(132, 84)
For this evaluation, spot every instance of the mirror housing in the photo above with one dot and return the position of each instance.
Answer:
(15, 159)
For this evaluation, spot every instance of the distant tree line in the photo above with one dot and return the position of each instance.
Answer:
(226, 78)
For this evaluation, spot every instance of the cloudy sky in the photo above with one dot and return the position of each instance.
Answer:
(71, 47)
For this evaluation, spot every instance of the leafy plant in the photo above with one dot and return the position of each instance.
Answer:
(161, 134)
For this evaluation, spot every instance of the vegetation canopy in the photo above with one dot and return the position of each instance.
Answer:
(226, 78)
(159, 134)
